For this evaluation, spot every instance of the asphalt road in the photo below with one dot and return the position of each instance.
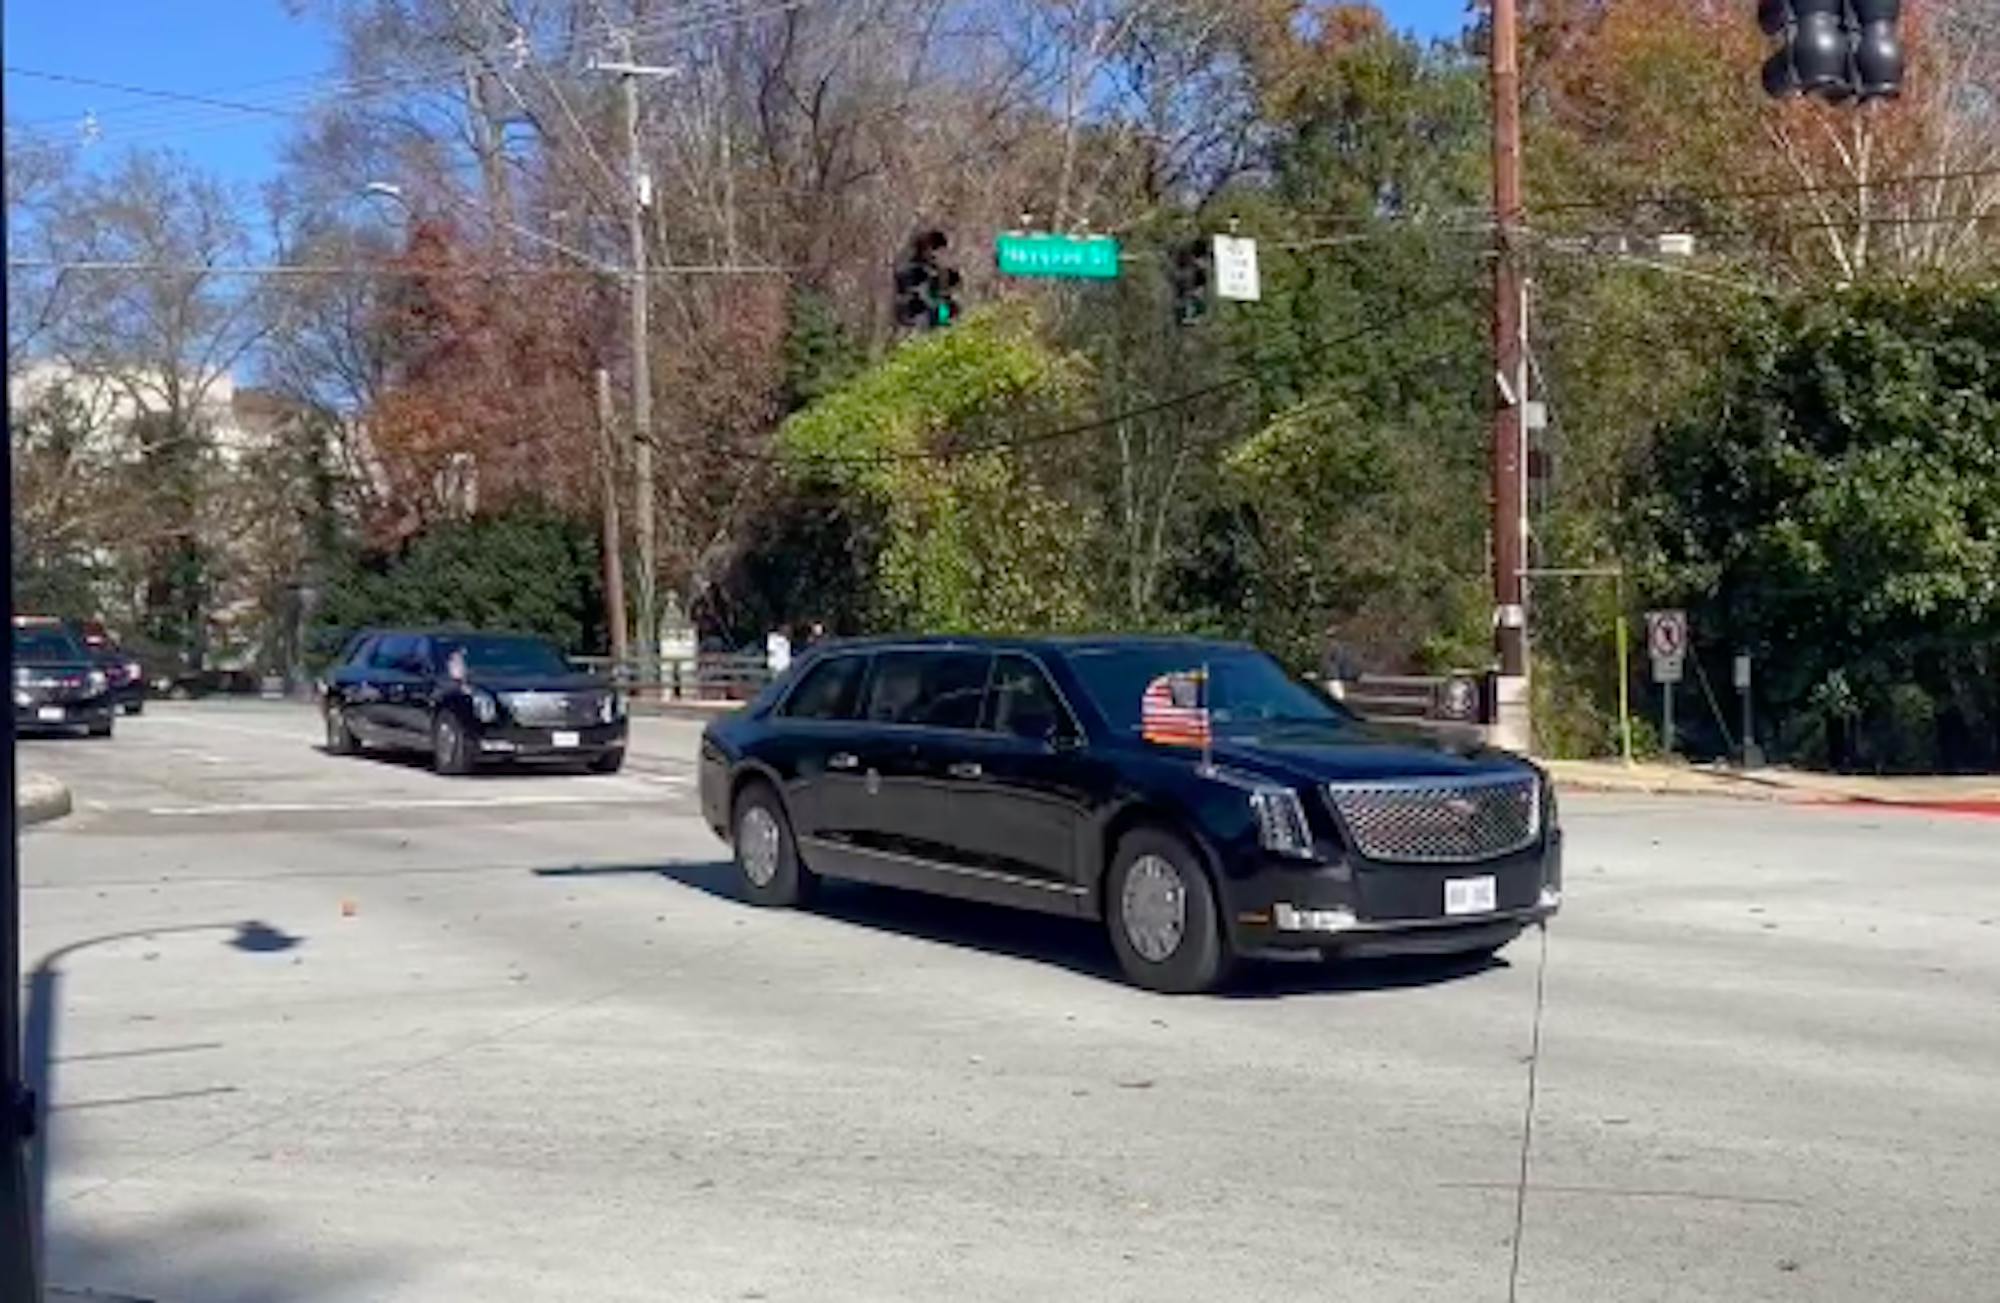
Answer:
(326, 1029)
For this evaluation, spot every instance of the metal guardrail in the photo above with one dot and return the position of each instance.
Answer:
(1440, 701)
(707, 676)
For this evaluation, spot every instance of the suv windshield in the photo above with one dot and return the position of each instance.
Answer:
(1248, 691)
(49, 644)
(491, 654)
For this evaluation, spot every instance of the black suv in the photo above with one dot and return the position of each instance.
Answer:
(57, 685)
(1191, 794)
(470, 697)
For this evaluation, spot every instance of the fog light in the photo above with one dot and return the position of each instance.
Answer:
(1290, 919)
(1551, 898)
(23, 699)
(495, 744)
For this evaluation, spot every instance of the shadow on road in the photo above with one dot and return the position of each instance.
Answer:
(1076, 944)
(215, 1254)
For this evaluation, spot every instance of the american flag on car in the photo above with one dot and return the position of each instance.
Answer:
(1174, 710)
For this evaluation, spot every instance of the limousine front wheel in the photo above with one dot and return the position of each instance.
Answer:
(1160, 910)
(766, 855)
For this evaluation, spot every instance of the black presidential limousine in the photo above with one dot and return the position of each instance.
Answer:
(1191, 794)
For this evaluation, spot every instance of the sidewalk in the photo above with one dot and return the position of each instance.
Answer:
(1978, 794)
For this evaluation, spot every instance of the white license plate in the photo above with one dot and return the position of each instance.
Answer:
(1469, 895)
(50, 714)
(565, 740)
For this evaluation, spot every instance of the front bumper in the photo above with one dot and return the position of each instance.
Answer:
(1359, 908)
(510, 741)
(32, 710)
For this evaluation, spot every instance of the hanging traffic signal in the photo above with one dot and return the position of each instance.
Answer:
(1836, 49)
(926, 290)
(1878, 48)
(1189, 274)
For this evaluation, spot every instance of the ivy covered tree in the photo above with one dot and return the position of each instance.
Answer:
(1833, 506)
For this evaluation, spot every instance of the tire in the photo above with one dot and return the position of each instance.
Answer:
(134, 708)
(1160, 909)
(451, 747)
(102, 729)
(340, 739)
(608, 763)
(767, 857)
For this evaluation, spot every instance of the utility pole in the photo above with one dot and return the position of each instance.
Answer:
(628, 74)
(614, 555)
(1510, 359)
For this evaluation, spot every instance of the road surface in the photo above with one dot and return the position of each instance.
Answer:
(338, 1029)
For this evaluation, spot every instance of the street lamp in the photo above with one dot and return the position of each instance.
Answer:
(391, 191)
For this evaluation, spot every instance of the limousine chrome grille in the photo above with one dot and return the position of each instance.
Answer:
(1440, 820)
(553, 709)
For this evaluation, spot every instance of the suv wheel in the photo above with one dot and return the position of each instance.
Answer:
(451, 749)
(1162, 915)
(766, 855)
(340, 740)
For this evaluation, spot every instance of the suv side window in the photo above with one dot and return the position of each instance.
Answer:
(830, 690)
(938, 689)
(1023, 704)
(392, 652)
(356, 655)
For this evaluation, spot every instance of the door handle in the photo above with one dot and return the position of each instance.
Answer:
(843, 760)
(964, 769)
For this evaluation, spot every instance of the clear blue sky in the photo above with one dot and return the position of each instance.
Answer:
(248, 50)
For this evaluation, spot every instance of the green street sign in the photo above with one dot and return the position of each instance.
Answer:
(1085, 257)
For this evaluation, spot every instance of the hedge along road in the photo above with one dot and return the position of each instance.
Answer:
(373, 1034)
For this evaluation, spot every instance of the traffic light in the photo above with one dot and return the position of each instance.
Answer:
(1836, 49)
(1192, 260)
(926, 290)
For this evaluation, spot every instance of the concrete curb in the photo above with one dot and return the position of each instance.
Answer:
(39, 798)
(1768, 788)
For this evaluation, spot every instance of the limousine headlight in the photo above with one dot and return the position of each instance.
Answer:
(485, 707)
(98, 681)
(1281, 821)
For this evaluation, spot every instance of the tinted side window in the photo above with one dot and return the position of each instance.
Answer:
(941, 689)
(1023, 704)
(829, 691)
(392, 652)
(358, 651)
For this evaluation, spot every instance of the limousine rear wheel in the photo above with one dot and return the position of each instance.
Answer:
(766, 854)
(1160, 909)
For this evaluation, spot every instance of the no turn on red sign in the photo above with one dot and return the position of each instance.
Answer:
(1666, 643)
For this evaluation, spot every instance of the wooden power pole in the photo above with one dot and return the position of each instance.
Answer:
(614, 545)
(1510, 357)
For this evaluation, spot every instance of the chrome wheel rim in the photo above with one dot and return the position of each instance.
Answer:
(333, 727)
(1154, 907)
(447, 745)
(757, 843)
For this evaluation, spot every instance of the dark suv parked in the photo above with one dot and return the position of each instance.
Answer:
(57, 686)
(1190, 794)
(470, 697)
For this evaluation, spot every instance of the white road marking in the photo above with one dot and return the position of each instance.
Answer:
(397, 803)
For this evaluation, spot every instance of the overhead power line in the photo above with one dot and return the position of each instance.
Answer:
(182, 97)
(310, 93)
(1895, 181)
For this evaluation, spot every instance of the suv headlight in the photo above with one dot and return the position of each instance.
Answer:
(1281, 821)
(97, 680)
(485, 707)
(611, 707)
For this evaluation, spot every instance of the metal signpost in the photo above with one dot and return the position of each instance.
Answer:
(1666, 643)
(1077, 257)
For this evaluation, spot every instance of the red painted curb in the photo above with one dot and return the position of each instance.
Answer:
(1982, 809)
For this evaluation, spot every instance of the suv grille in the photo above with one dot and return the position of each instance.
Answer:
(553, 709)
(1440, 821)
